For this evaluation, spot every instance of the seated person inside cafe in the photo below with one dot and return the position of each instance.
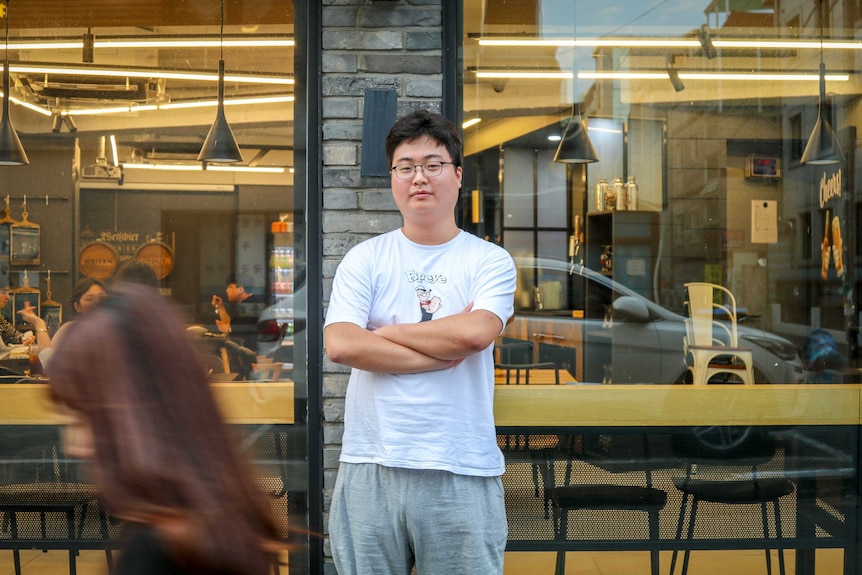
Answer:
(237, 319)
(138, 272)
(10, 335)
(86, 294)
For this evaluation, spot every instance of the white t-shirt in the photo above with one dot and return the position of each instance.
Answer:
(433, 420)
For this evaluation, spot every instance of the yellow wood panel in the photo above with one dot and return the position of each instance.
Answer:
(256, 402)
(669, 405)
(28, 404)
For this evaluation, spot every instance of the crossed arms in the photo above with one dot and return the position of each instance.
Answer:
(412, 347)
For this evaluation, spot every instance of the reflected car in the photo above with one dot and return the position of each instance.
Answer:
(602, 331)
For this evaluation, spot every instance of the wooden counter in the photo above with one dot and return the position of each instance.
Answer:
(241, 403)
(674, 405)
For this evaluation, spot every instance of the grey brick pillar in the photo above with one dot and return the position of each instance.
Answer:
(389, 44)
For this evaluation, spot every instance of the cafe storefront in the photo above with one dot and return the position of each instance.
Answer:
(661, 172)
(113, 103)
(676, 183)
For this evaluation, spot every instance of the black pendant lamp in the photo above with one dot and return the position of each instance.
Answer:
(575, 146)
(822, 147)
(11, 151)
(220, 145)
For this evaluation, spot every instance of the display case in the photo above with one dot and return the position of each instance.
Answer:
(276, 322)
(621, 245)
(629, 238)
(281, 262)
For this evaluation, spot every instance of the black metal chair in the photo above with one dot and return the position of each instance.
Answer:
(36, 482)
(523, 369)
(535, 446)
(635, 456)
(741, 450)
(513, 350)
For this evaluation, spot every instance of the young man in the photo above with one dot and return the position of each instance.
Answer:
(414, 313)
(240, 300)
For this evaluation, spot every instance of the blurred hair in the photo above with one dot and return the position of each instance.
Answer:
(83, 286)
(138, 272)
(420, 123)
(163, 456)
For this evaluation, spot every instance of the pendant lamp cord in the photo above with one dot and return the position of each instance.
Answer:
(821, 31)
(6, 47)
(221, 36)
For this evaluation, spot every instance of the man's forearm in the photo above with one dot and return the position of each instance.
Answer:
(450, 338)
(350, 345)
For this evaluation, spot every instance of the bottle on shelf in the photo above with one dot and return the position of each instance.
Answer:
(619, 194)
(601, 194)
(632, 193)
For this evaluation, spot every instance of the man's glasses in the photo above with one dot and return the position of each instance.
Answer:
(430, 169)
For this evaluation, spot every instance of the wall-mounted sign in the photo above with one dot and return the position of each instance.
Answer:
(764, 221)
(159, 256)
(763, 167)
(98, 260)
(24, 241)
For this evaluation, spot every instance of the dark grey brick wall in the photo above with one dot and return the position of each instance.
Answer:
(395, 44)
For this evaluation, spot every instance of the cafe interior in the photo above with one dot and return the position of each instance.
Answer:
(679, 387)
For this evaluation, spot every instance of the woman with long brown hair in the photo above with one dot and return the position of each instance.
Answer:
(140, 406)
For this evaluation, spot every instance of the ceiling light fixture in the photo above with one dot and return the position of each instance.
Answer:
(706, 44)
(673, 75)
(220, 144)
(148, 73)
(258, 41)
(661, 75)
(88, 47)
(114, 155)
(575, 145)
(178, 105)
(822, 147)
(724, 76)
(172, 167)
(258, 169)
(668, 43)
(11, 150)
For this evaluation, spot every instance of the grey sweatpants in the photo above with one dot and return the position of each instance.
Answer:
(384, 519)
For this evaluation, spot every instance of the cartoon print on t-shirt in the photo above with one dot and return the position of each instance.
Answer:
(428, 304)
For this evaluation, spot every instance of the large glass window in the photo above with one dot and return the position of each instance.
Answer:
(698, 115)
(676, 182)
(113, 102)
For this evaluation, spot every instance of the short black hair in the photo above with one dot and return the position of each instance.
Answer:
(423, 122)
(138, 272)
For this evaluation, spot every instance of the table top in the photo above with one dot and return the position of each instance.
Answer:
(676, 405)
(537, 377)
(240, 402)
(543, 405)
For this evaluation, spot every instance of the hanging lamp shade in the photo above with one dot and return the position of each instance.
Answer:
(822, 147)
(575, 146)
(220, 145)
(11, 150)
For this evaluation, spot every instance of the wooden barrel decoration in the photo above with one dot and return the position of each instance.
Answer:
(159, 256)
(98, 260)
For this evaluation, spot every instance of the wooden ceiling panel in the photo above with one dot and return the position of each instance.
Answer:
(26, 14)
